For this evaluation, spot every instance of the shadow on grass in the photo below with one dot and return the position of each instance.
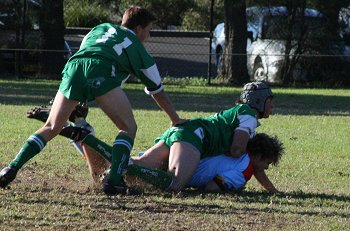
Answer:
(189, 202)
(294, 203)
(284, 104)
(255, 196)
(28, 93)
(247, 203)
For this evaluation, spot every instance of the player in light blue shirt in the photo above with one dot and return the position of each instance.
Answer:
(225, 173)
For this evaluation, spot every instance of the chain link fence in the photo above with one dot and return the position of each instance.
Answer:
(177, 54)
(301, 49)
(290, 45)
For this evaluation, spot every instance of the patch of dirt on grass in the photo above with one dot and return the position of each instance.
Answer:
(61, 201)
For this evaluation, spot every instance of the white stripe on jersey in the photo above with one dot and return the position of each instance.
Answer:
(155, 91)
(152, 74)
(118, 48)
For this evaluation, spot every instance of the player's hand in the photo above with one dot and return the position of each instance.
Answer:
(179, 121)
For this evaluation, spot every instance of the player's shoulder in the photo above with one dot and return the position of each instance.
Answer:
(244, 109)
(240, 109)
(115, 28)
(105, 25)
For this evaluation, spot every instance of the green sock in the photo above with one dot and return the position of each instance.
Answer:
(120, 157)
(101, 147)
(154, 176)
(34, 144)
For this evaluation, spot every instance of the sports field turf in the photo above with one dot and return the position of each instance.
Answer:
(54, 191)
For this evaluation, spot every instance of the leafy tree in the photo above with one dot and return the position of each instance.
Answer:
(198, 16)
(89, 13)
(168, 12)
(52, 27)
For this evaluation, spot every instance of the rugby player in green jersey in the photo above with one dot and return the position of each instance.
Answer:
(107, 56)
(181, 147)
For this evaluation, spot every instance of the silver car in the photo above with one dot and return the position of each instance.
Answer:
(267, 44)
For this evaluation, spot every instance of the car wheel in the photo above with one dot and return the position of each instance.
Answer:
(259, 73)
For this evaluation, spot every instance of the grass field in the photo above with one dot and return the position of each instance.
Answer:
(54, 191)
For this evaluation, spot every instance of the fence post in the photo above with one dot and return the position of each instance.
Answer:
(210, 39)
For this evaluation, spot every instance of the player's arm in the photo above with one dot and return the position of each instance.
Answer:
(263, 179)
(245, 131)
(239, 143)
(154, 87)
(163, 101)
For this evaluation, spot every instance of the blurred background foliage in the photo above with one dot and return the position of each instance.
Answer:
(176, 14)
(179, 14)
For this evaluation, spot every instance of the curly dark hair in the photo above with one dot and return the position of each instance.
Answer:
(270, 147)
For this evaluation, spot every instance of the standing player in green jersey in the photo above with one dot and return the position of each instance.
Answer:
(107, 55)
(180, 148)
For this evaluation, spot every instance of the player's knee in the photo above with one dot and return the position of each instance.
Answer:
(52, 129)
(131, 129)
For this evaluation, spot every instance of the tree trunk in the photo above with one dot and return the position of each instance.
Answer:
(52, 27)
(235, 52)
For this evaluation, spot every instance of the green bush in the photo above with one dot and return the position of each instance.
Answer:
(198, 17)
(86, 13)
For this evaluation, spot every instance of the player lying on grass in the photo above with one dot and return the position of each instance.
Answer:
(256, 95)
(220, 173)
(227, 132)
(224, 173)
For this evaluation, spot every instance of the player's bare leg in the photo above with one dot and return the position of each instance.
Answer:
(96, 163)
(59, 114)
(183, 161)
(117, 107)
(155, 157)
